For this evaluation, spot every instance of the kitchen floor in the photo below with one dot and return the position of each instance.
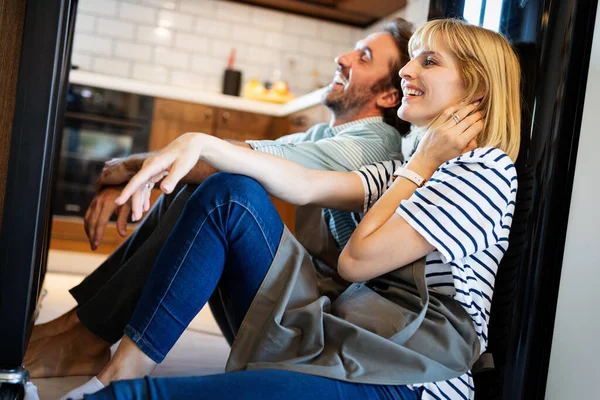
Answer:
(201, 350)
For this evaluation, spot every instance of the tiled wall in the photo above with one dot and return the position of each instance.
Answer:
(187, 42)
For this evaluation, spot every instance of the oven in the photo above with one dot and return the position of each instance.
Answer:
(100, 124)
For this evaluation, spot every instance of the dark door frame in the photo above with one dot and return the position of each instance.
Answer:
(37, 127)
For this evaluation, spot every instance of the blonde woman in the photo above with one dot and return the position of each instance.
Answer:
(372, 329)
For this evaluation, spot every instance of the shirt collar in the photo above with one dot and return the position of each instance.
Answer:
(362, 121)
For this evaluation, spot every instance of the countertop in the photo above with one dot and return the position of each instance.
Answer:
(196, 96)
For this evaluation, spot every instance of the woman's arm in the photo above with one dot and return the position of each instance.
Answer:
(384, 241)
(281, 178)
(285, 179)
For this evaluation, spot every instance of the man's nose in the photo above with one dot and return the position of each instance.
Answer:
(343, 60)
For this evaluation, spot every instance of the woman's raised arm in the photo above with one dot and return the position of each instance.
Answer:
(281, 178)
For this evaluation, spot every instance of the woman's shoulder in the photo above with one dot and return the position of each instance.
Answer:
(488, 160)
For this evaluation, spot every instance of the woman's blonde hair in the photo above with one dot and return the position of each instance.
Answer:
(488, 65)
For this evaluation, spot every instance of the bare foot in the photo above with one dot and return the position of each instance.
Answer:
(56, 326)
(74, 352)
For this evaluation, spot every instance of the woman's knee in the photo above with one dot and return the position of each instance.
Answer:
(224, 181)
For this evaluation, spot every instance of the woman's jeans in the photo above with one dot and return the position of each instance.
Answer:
(226, 238)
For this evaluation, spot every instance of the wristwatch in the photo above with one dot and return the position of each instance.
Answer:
(411, 176)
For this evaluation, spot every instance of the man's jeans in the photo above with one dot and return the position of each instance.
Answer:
(108, 296)
(227, 235)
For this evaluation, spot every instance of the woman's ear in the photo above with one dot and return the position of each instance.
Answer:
(388, 98)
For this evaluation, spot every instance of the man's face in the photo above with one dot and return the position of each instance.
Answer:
(359, 71)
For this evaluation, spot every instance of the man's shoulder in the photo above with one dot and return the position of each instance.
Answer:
(370, 128)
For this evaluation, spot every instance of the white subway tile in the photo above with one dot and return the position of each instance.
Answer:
(234, 12)
(262, 56)
(133, 12)
(194, 43)
(114, 28)
(282, 41)
(221, 49)
(152, 73)
(84, 62)
(302, 26)
(213, 28)
(209, 65)
(171, 58)
(268, 19)
(187, 79)
(174, 20)
(198, 7)
(86, 43)
(247, 34)
(335, 32)
(214, 83)
(259, 72)
(166, 4)
(100, 7)
(133, 51)
(317, 48)
(326, 69)
(111, 66)
(155, 35)
(339, 49)
(84, 23)
(294, 64)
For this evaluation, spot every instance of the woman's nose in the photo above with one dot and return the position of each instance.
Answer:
(407, 72)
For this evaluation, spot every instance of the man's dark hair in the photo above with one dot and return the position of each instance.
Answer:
(401, 31)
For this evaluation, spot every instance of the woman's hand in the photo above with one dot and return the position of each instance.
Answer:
(447, 138)
(171, 163)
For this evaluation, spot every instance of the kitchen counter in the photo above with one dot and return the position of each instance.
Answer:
(196, 96)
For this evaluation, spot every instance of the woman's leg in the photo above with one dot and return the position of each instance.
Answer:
(228, 231)
(250, 385)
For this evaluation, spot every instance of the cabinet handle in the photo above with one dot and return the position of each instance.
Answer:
(225, 116)
(208, 113)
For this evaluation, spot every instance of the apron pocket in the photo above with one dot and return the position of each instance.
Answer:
(363, 307)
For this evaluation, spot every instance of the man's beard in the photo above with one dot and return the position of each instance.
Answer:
(347, 101)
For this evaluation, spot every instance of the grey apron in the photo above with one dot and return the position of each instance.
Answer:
(390, 330)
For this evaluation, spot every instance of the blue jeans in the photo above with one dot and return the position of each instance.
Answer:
(226, 238)
(252, 385)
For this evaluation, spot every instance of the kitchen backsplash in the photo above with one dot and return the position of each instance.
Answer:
(187, 42)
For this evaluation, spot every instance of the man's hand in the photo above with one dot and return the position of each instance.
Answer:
(119, 171)
(99, 212)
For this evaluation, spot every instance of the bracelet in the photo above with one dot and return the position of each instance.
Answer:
(411, 176)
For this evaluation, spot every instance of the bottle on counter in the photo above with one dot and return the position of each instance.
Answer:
(232, 78)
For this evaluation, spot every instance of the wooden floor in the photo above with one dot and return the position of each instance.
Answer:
(200, 351)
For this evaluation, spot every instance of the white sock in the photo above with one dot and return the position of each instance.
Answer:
(91, 386)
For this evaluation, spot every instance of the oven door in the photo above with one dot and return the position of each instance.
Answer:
(88, 142)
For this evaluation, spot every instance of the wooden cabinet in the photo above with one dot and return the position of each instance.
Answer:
(172, 118)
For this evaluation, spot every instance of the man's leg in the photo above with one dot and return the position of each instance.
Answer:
(230, 232)
(106, 299)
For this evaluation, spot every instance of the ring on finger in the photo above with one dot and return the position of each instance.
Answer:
(148, 185)
(456, 118)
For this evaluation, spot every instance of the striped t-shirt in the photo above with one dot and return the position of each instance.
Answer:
(344, 147)
(465, 211)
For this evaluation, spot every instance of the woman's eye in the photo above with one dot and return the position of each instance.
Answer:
(429, 61)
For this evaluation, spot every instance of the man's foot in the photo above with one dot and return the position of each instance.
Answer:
(59, 325)
(74, 352)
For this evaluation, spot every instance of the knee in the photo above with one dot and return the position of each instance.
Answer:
(224, 185)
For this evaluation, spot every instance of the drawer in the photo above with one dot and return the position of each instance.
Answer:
(240, 125)
(175, 110)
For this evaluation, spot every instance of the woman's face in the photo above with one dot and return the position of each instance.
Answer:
(430, 83)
